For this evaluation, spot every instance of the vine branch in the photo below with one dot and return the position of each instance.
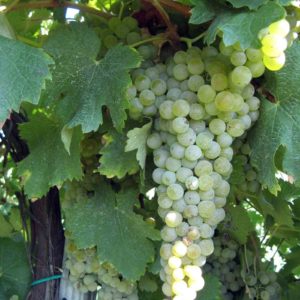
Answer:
(55, 4)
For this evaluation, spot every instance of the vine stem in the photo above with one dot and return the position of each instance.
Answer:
(172, 32)
(146, 41)
(181, 8)
(190, 41)
(54, 4)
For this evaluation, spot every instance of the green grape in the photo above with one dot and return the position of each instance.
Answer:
(274, 63)
(257, 68)
(133, 37)
(225, 101)
(254, 55)
(180, 57)
(121, 31)
(130, 22)
(110, 41)
(147, 97)
(159, 87)
(181, 108)
(238, 58)
(113, 23)
(206, 94)
(195, 66)
(142, 82)
(281, 28)
(241, 76)
(180, 72)
(219, 82)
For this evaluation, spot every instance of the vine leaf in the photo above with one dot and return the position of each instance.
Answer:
(253, 4)
(15, 272)
(279, 124)
(23, 71)
(121, 236)
(211, 290)
(237, 25)
(86, 84)
(204, 11)
(48, 163)
(115, 162)
(239, 225)
(137, 140)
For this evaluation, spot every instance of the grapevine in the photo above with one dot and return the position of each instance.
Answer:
(149, 150)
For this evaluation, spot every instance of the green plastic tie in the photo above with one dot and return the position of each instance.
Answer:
(39, 281)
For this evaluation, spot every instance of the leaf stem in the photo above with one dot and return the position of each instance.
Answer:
(121, 10)
(172, 31)
(53, 4)
(28, 41)
(190, 41)
(148, 40)
(181, 8)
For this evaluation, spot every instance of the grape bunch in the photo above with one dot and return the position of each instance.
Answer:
(127, 32)
(242, 152)
(201, 102)
(274, 43)
(87, 274)
(225, 263)
(108, 293)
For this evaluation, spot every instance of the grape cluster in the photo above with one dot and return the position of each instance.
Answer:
(127, 32)
(274, 43)
(250, 183)
(108, 293)
(87, 274)
(201, 102)
(225, 264)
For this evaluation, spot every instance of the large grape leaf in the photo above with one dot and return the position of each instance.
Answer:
(86, 84)
(279, 124)
(23, 71)
(121, 236)
(211, 290)
(14, 269)
(137, 139)
(203, 11)
(242, 26)
(115, 162)
(252, 4)
(239, 225)
(48, 163)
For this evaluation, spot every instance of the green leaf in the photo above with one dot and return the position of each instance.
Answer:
(5, 28)
(237, 176)
(240, 224)
(242, 26)
(115, 162)
(15, 272)
(121, 236)
(85, 83)
(252, 4)
(23, 71)
(48, 163)
(211, 290)
(279, 124)
(137, 139)
(5, 228)
(280, 211)
(204, 11)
